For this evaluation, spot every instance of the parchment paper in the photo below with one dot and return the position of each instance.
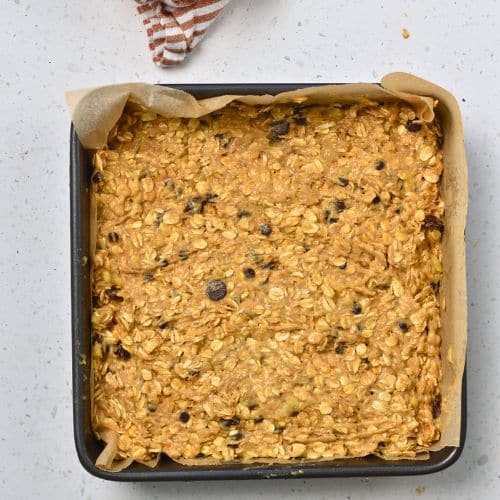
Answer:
(95, 111)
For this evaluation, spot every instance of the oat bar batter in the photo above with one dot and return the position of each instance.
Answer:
(266, 283)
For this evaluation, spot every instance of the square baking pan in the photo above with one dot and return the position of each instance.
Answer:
(88, 446)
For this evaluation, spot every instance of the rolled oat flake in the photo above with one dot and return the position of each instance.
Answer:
(216, 290)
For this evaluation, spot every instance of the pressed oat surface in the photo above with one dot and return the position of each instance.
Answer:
(266, 283)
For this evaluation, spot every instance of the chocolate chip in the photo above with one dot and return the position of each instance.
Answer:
(300, 120)
(113, 237)
(184, 416)
(266, 229)
(169, 184)
(121, 352)
(340, 347)
(216, 290)
(403, 326)
(413, 126)
(249, 273)
(294, 413)
(224, 139)
(343, 181)
(436, 406)
(97, 177)
(244, 213)
(112, 295)
(194, 206)
(229, 422)
(210, 197)
(376, 199)
(254, 256)
(329, 219)
(277, 129)
(158, 218)
(380, 165)
(148, 277)
(339, 205)
(432, 222)
(183, 255)
(258, 420)
(270, 265)
(356, 308)
(279, 429)
(151, 407)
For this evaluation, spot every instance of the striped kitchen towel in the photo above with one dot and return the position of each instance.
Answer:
(175, 27)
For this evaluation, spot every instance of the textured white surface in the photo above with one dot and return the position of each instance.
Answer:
(47, 47)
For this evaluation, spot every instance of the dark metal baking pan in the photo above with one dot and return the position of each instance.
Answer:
(88, 446)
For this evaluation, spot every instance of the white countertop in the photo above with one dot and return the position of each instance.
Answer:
(47, 47)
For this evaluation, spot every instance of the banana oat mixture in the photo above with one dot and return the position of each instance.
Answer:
(266, 283)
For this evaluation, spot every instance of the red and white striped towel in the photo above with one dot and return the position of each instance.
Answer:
(175, 27)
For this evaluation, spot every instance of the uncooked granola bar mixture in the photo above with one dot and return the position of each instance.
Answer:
(266, 283)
